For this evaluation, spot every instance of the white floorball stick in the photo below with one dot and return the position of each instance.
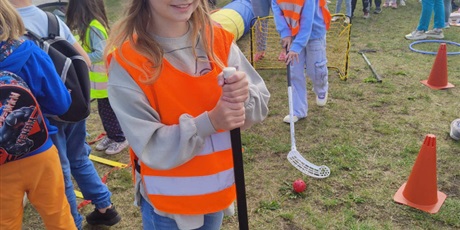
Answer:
(294, 157)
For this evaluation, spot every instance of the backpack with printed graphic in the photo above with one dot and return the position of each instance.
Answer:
(70, 66)
(22, 127)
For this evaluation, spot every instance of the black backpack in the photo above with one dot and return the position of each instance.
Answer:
(70, 66)
(22, 127)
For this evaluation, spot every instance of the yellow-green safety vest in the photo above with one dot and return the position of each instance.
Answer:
(98, 74)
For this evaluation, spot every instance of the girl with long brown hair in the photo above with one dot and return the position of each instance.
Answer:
(166, 86)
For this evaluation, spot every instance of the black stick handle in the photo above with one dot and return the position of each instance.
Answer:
(238, 169)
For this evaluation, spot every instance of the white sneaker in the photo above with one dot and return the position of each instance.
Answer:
(287, 119)
(321, 100)
(435, 33)
(116, 147)
(416, 35)
(335, 18)
(104, 144)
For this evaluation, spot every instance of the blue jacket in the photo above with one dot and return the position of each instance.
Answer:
(312, 25)
(36, 68)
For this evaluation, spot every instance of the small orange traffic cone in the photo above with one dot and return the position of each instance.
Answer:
(420, 191)
(438, 74)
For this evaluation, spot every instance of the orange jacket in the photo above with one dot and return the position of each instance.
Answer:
(205, 184)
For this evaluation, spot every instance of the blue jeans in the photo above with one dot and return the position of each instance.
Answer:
(153, 221)
(428, 6)
(447, 10)
(366, 6)
(338, 7)
(70, 140)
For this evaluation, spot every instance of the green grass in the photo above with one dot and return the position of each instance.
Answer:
(369, 134)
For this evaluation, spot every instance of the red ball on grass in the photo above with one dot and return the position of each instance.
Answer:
(299, 185)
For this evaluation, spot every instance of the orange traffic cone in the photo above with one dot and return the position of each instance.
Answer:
(438, 74)
(420, 191)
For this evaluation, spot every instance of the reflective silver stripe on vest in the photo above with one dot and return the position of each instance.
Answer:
(98, 68)
(293, 23)
(291, 7)
(188, 186)
(216, 142)
(98, 85)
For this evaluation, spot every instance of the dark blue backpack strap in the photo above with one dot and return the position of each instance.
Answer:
(8, 47)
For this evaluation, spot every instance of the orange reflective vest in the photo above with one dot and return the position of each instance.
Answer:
(326, 14)
(292, 10)
(205, 184)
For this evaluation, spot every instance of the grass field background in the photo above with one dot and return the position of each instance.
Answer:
(369, 134)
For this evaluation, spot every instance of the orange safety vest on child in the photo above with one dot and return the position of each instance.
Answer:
(205, 184)
(293, 8)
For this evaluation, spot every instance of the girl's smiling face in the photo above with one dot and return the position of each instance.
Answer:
(169, 17)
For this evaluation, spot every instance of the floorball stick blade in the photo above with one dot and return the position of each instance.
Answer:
(306, 167)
